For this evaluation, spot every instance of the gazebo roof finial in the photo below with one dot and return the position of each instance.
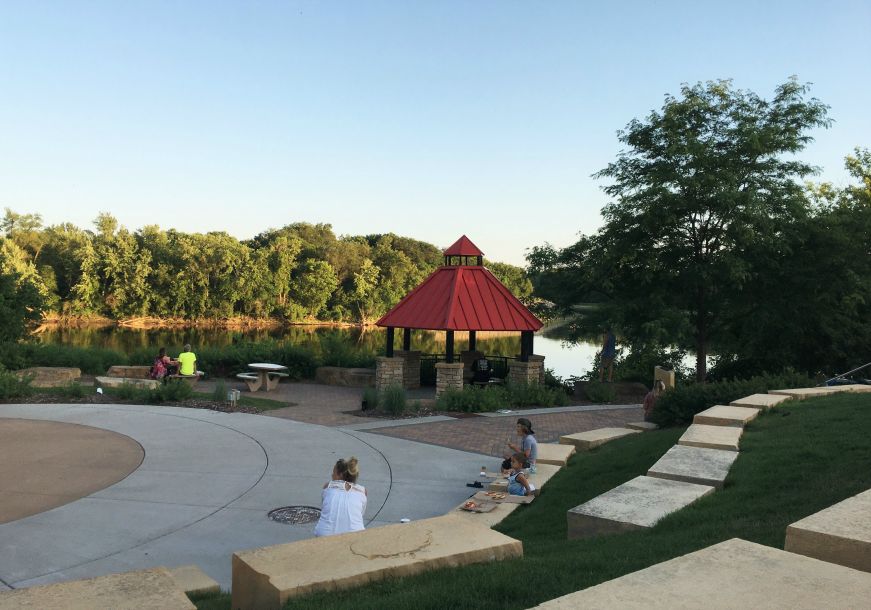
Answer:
(463, 247)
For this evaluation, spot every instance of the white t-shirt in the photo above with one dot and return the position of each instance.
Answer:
(342, 508)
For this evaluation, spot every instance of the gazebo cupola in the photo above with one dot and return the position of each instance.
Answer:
(461, 295)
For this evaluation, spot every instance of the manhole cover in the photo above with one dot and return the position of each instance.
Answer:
(295, 515)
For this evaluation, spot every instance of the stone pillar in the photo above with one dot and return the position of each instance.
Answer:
(411, 371)
(665, 375)
(540, 361)
(449, 375)
(388, 372)
(526, 372)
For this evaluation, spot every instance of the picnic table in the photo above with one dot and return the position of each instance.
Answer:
(263, 375)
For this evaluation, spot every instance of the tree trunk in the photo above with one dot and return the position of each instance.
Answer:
(701, 337)
(701, 360)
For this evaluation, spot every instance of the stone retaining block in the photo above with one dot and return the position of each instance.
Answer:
(720, 415)
(117, 382)
(557, 455)
(694, 465)
(152, 589)
(192, 580)
(584, 441)
(759, 401)
(802, 393)
(266, 578)
(839, 534)
(731, 574)
(711, 437)
(637, 504)
(644, 426)
(50, 376)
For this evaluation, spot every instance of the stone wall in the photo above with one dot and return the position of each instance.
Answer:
(411, 375)
(526, 372)
(388, 372)
(665, 375)
(448, 375)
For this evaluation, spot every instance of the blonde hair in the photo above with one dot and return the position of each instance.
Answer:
(348, 469)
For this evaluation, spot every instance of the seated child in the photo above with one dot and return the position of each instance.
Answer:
(518, 482)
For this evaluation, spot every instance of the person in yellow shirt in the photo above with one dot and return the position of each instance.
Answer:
(187, 361)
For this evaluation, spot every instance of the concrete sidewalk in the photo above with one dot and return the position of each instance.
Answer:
(206, 485)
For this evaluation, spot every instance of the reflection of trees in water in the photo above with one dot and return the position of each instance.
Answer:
(365, 339)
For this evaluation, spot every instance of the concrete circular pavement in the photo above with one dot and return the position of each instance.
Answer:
(205, 486)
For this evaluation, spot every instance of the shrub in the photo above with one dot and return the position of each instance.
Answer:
(72, 390)
(125, 391)
(533, 394)
(392, 400)
(336, 351)
(600, 392)
(173, 391)
(679, 405)
(370, 399)
(91, 360)
(219, 394)
(13, 386)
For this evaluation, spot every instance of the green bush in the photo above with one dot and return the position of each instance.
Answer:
(600, 392)
(219, 394)
(336, 351)
(370, 399)
(473, 399)
(678, 405)
(91, 360)
(392, 400)
(12, 386)
(125, 391)
(174, 390)
(72, 390)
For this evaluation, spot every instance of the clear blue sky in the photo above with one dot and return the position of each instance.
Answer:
(427, 119)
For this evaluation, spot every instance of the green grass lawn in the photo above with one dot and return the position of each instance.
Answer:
(795, 460)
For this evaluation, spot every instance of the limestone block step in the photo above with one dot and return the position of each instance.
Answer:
(642, 425)
(191, 579)
(152, 589)
(694, 465)
(856, 387)
(711, 437)
(584, 441)
(839, 534)
(801, 393)
(759, 401)
(117, 382)
(133, 372)
(637, 504)
(551, 453)
(731, 574)
(720, 415)
(266, 578)
(50, 376)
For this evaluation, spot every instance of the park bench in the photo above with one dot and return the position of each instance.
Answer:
(191, 379)
(254, 380)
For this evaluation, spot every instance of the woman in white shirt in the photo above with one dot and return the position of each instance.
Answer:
(343, 502)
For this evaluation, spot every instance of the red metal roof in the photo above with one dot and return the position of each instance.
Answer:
(461, 298)
(463, 247)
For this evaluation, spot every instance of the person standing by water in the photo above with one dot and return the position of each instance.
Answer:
(607, 355)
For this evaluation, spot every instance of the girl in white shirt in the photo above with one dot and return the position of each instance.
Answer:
(343, 502)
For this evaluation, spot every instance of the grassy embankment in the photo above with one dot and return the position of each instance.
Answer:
(794, 461)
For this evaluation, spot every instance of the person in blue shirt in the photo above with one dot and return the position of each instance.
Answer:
(607, 355)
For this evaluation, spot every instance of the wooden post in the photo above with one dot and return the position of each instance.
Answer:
(406, 339)
(449, 346)
(473, 340)
(390, 341)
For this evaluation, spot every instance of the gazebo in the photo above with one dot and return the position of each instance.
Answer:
(461, 295)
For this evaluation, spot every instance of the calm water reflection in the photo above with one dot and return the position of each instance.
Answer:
(563, 359)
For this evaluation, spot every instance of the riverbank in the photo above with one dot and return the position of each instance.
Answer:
(57, 321)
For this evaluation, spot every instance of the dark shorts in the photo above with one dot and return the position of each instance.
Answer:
(607, 360)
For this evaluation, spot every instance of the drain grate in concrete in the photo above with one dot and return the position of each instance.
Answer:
(295, 515)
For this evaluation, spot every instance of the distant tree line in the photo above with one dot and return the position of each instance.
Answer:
(300, 272)
(714, 244)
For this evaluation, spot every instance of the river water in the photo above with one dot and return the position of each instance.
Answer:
(563, 358)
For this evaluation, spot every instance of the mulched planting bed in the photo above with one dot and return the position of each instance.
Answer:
(108, 399)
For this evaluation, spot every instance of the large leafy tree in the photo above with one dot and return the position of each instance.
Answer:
(22, 293)
(700, 181)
